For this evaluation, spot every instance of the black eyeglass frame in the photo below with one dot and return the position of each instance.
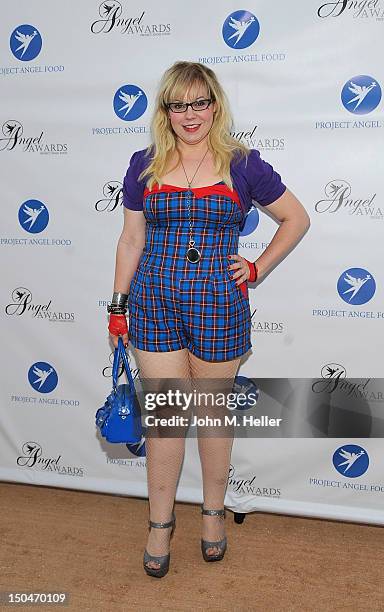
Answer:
(186, 104)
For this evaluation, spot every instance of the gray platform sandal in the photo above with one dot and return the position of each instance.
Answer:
(221, 544)
(163, 561)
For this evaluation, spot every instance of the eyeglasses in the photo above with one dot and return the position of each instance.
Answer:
(181, 107)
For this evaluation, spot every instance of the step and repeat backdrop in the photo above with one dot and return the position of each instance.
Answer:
(304, 80)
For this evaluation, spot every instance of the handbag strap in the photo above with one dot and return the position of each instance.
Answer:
(120, 353)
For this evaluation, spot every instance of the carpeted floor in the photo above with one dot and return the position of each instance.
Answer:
(91, 546)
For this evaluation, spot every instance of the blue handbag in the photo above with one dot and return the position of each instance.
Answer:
(119, 420)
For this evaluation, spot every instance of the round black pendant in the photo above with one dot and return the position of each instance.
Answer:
(193, 255)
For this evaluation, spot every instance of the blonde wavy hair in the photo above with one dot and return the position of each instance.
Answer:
(176, 81)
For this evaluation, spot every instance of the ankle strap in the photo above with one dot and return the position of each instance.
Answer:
(220, 512)
(162, 525)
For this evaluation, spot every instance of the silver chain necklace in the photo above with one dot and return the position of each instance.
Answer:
(193, 254)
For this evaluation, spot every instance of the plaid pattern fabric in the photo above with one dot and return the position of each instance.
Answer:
(175, 304)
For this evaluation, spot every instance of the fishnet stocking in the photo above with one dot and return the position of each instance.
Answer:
(214, 444)
(165, 454)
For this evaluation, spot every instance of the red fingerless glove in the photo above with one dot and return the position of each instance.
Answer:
(117, 324)
(253, 272)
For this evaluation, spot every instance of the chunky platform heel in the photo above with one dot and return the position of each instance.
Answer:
(163, 561)
(221, 544)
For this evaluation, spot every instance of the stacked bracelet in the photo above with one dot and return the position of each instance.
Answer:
(118, 304)
(112, 309)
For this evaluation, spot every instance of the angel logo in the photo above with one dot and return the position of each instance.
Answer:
(351, 460)
(338, 197)
(42, 377)
(33, 216)
(361, 95)
(333, 370)
(240, 29)
(113, 197)
(21, 302)
(110, 12)
(130, 102)
(364, 9)
(25, 42)
(356, 286)
(32, 455)
(13, 136)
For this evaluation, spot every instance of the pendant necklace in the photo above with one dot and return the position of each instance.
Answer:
(193, 254)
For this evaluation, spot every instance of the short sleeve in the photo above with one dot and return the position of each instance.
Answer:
(265, 184)
(133, 189)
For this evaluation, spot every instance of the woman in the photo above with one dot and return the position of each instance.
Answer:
(178, 271)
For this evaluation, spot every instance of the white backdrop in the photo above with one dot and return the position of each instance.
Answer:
(304, 82)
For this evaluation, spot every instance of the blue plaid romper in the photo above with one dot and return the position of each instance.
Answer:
(175, 304)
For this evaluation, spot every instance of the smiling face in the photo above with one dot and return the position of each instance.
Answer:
(192, 127)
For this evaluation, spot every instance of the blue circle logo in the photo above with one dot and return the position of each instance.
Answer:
(351, 460)
(361, 94)
(33, 216)
(356, 286)
(43, 377)
(251, 222)
(248, 390)
(25, 42)
(240, 29)
(130, 102)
